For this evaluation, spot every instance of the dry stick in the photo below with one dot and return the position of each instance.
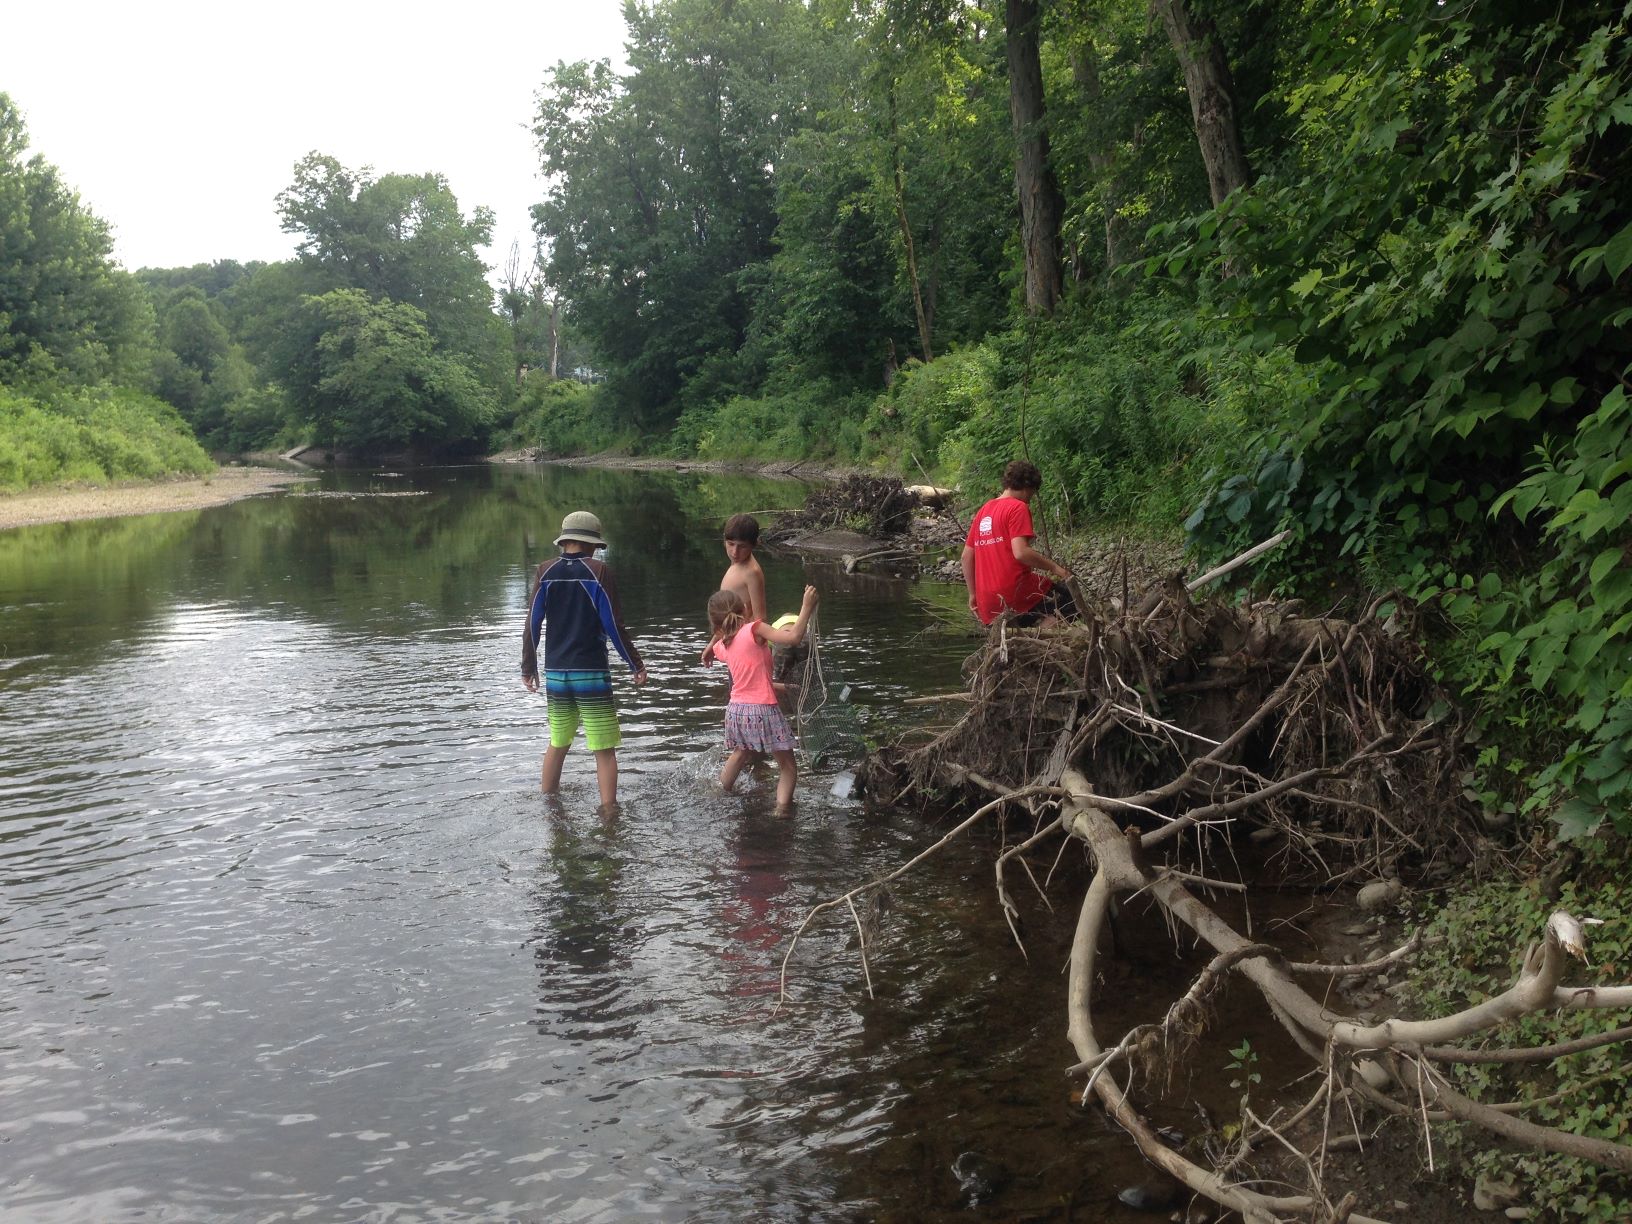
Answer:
(1023, 793)
(1156, 722)
(963, 774)
(1235, 563)
(1203, 881)
(1326, 1116)
(1004, 900)
(1427, 1131)
(1372, 966)
(933, 698)
(862, 936)
(1060, 854)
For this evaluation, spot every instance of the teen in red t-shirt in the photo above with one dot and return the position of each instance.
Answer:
(1000, 567)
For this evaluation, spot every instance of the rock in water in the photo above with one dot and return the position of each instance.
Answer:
(980, 1178)
(1379, 895)
(1156, 1194)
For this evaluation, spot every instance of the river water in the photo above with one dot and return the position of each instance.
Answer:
(287, 931)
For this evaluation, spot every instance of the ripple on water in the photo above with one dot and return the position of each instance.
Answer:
(286, 931)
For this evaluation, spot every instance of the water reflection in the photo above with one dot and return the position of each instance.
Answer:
(753, 918)
(286, 930)
(579, 947)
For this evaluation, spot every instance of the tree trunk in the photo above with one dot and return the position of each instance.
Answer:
(1212, 96)
(1041, 206)
(900, 180)
(1085, 71)
(555, 339)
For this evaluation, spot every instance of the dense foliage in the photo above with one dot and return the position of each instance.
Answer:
(1447, 252)
(76, 334)
(92, 435)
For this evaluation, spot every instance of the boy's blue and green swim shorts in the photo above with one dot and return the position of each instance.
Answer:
(582, 697)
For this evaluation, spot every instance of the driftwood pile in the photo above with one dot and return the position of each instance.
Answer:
(874, 506)
(1148, 736)
(1210, 713)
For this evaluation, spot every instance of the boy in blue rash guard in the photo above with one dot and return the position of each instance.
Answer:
(574, 604)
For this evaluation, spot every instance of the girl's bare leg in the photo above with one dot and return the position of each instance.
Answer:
(733, 767)
(787, 776)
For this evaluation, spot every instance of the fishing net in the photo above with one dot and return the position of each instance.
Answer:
(818, 704)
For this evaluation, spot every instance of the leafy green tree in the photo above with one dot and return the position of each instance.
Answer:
(400, 238)
(65, 306)
(660, 211)
(199, 365)
(367, 376)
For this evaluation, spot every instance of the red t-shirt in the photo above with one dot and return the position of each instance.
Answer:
(1001, 582)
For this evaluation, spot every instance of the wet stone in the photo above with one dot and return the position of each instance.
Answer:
(980, 1178)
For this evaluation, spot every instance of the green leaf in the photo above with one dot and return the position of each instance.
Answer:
(1603, 564)
(1618, 252)
(1305, 284)
(1577, 819)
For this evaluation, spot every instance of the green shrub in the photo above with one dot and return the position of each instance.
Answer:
(814, 421)
(1482, 934)
(927, 402)
(561, 416)
(92, 434)
(1122, 409)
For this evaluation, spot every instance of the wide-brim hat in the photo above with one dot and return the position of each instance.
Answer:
(583, 527)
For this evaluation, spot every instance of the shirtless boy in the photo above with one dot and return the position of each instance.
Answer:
(744, 575)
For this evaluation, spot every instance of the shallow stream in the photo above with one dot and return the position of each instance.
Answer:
(287, 931)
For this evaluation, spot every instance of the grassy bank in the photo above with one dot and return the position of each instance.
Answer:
(92, 435)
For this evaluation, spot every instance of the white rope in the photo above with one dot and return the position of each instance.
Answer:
(812, 676)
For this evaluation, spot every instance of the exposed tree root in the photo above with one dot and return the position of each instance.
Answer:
(1158, 727)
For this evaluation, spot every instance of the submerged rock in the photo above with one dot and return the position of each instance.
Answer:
(1157, 1193)
(980, 1178)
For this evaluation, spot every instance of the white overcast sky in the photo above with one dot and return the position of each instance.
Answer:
(179, 122)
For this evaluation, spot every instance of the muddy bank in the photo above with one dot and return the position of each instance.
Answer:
(68, 503)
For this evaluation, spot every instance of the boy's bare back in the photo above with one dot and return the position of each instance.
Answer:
(747, 579)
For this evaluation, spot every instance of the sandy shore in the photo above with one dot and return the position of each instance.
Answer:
(60, 505)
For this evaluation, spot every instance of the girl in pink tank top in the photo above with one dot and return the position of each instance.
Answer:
(753, 720)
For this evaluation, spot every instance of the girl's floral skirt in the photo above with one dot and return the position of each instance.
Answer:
(758, 728)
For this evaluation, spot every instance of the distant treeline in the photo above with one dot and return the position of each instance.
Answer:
(380, 337)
